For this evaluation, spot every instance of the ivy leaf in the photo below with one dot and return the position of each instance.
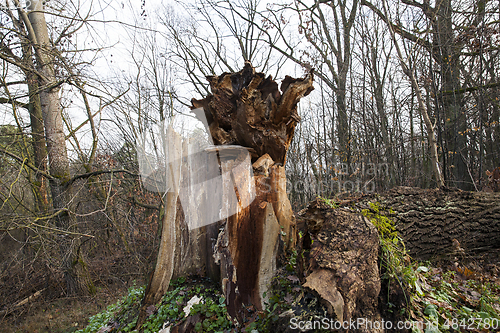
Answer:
(431, 311)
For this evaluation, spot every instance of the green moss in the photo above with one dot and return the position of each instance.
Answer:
(395, 263)
(330, 202)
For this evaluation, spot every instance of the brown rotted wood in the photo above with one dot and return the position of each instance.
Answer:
(248, 109)
(342, 264)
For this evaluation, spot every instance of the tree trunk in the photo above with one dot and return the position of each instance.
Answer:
(448, 53)
(38, 133)
(430, 220)
(160, 279)
(170, 242)
(76, 276)
(50, 102)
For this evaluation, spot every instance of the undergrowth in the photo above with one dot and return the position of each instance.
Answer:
(122, 316)
(281, 297)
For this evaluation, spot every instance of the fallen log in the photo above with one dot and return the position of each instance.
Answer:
(440, 222)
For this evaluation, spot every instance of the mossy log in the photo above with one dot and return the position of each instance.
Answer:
(443, 222)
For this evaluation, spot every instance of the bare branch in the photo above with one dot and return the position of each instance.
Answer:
(29, 165)
(97, 173)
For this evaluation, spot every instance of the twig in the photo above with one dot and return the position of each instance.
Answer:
(29, 165)
(61, 231)
(29, 298)
(48, 217)
(96, 173)
(137, 202)
(24, 301)
(470, 174)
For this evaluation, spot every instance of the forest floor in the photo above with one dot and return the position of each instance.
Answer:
(457, 293)
(59, 315)
(461, 294)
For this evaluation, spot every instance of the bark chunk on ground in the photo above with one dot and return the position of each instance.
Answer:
(342, 264)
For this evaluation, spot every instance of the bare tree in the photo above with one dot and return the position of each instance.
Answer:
(431, 137)
(40, 58)
(211, 37)
(457, 51)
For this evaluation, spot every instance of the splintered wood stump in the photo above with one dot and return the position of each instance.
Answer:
(246, 113)
(247, 109)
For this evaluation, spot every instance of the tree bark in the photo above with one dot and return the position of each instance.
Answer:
(430, 220)
(75, 273)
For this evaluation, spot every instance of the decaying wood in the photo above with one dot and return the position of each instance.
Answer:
(160, 278)
(247, 109)
(430, 220)
(342, 265)
(248, 246)
(246, 114)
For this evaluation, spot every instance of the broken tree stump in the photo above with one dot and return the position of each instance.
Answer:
(250, 222)
(248, 109)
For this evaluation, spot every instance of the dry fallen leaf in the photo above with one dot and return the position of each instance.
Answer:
(150, 310)
(288, 298)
